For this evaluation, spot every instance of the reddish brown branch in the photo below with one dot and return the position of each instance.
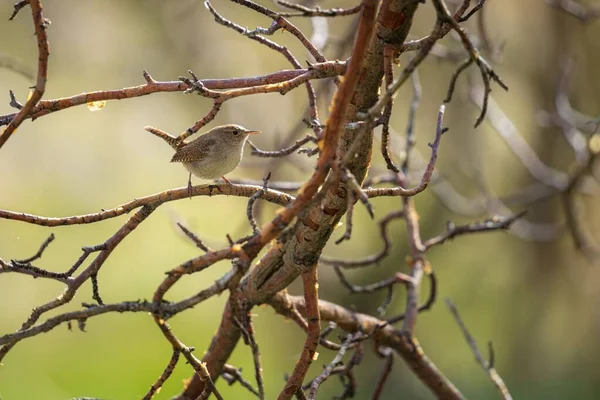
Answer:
(40, 24)
(309, 353)
(198, 366)
(312, 98)
(275, 82)
(384, 334)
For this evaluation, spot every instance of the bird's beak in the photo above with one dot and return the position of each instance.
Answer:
(253, 132)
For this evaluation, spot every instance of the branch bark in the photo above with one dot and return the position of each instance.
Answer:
(288, 258)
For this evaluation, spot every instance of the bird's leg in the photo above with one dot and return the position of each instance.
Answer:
(190, 186)
(226, 180)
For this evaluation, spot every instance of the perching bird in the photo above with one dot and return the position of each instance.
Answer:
(215, 153)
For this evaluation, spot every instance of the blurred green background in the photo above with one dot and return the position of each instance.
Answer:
(537, 301)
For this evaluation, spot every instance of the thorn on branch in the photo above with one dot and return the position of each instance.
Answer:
(171, 140)
(95, 289)
(195, 85)
(148, 77)
(13, 101)
(197, 241)
(16, 8)
(81, 323)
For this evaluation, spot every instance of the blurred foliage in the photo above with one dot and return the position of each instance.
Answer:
(538, 302)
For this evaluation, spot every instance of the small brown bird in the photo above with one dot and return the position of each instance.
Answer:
(215, 153)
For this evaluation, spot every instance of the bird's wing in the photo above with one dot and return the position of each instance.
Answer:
(194, 151)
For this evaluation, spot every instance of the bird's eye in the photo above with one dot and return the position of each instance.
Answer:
(235, 133)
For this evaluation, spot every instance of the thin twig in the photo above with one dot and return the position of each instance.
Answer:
(309, 352)
(388, 355)
(372, 259)
(39, 252)
(283, 152)
(427, 174)
(156, 386)
(197, 241)
(233, 375)
(384, 334)
(153, 200)
(317, 11)
(426, 305)
(248, 335)
(252, 200)
(40, 24)
(492, 224)
(398, 277)
(488, 367)
(334, 363)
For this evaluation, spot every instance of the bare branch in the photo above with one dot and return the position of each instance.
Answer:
(488, 367)
(233, 375)
(156, 386)
(40, 24)
(154, 201)
(384, 334)
(317, 11)
(309, 352)
(248, 335)
(493, 224)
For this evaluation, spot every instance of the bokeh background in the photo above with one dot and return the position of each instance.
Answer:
(537, 300)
